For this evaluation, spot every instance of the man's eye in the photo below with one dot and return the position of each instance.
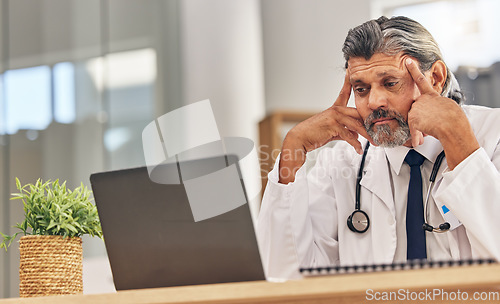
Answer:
(360, 90)
(391, 83)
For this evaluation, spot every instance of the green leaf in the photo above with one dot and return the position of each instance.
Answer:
(51, 208)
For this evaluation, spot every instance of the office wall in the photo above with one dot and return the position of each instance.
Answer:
(221, 43)
(303, 62)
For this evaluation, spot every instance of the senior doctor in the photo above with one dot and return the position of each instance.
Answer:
(406, 100)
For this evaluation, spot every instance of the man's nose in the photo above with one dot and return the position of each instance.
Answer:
(377, 99)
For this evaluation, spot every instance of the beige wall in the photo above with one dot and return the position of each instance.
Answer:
(303, 62)
(221, 43)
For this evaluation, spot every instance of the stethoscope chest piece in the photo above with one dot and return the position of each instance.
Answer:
(358, 221)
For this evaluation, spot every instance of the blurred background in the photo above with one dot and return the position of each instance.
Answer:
(80, 79)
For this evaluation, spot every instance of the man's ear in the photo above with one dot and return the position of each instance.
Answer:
(438, 74)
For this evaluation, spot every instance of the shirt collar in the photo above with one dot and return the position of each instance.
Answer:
(430, 149)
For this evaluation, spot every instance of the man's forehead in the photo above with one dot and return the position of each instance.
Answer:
(380, 64)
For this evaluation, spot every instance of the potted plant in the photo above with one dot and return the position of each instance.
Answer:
(51, 246)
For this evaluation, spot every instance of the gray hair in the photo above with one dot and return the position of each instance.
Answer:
(395, 35)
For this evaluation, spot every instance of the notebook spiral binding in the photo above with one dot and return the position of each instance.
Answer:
(413, 264)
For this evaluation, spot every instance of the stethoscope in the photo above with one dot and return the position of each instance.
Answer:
(359, 221)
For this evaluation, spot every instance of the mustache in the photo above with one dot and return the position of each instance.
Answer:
(383, 113)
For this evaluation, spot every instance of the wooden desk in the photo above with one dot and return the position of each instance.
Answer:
(347, 288)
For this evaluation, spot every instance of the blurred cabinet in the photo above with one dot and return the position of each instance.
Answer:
(480, 85)
(272, 130)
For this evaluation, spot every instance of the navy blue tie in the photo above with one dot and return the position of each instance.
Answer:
(415, 235)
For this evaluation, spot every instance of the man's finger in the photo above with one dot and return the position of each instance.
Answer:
(417, 138)
(345, 92)
(424, 86)
(353, 121)
(353, 124)
(352, 139)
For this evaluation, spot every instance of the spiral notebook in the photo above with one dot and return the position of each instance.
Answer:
(415, 264)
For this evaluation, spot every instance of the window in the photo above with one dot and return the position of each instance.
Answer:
(27, 98)
(36, 96)
(64, 92)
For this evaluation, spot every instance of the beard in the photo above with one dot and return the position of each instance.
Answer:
(383, 135)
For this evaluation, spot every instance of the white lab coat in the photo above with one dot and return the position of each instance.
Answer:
(303, 224)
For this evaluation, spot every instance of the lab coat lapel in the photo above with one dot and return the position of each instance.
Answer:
(376, 177)
(376, 180)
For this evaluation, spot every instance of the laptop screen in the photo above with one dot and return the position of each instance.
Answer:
(153, 240)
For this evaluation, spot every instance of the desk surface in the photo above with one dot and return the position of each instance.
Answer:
(345, 288)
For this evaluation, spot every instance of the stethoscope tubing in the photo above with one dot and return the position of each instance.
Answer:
(432, 179)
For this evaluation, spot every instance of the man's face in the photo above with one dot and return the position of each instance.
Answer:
(383, 92)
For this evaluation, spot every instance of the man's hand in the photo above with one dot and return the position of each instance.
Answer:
(441, 118)
(336, 122)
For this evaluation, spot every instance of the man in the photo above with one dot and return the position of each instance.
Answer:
(406, 99)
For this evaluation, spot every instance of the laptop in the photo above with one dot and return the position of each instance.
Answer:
(152, 239)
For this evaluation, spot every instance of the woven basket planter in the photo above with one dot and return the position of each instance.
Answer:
(50, 265)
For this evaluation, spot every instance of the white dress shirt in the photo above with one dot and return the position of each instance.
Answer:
(437, 243)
